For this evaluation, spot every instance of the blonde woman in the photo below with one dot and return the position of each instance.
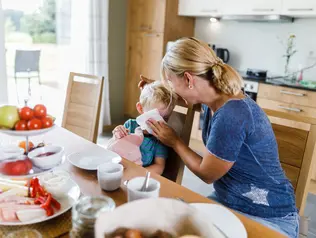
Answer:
(242, 159)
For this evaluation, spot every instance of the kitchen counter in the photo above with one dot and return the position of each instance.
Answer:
(282, 82)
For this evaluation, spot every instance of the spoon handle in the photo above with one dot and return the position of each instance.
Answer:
(146, 182)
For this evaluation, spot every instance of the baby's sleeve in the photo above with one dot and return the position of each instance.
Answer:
(162, 151)
(128, 124)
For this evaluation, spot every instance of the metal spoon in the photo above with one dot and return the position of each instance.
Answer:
(146, 182)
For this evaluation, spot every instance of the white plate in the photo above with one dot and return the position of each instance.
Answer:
(26, 133)
(90, 160)
(222, 218)
(66, 203)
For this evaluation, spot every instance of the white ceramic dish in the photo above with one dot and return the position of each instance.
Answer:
(223, 219)
(26, 133)
(90, 160)
(56, 182)
(66, 203)
(10, 151)
(47, 162)
(170, 215)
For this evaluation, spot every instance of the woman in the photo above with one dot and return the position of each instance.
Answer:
(242, 159)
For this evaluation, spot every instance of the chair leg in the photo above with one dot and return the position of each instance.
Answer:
(29, 88)
(16, 89)
(39, 79)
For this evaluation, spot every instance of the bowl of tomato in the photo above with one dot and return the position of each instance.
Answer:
(16, 166)
(47, 157)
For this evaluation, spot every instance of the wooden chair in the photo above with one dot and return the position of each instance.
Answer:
(181, 120)
(83, 105)
(297, 151)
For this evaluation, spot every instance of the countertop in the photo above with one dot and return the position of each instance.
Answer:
(282, 82)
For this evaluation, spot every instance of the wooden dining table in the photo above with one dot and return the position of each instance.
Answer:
(88, 183)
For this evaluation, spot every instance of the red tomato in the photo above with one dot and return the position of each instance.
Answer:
(40, 111)
(21, 126)
(47, 122)
(26, 113)
(18, 167)
(34, 124)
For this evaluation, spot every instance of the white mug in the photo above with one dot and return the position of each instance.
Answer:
(134, 186)
(110, 176)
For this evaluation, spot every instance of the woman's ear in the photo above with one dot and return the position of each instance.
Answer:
(139, 108)
(189, 80)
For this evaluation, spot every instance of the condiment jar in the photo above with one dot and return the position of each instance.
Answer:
(85, 213)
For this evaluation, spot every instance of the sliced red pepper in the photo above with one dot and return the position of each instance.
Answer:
(49, 211)
(47, 202)
(40, 200)
(55, 203)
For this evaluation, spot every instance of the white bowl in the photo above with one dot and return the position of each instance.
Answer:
(47, 162)
(56, 182)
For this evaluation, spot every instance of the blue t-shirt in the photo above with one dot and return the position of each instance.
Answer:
(151, 146)
(241, 132)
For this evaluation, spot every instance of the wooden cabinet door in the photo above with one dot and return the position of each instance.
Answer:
(144, 57)
(152, 53)
(134, 69)
(154, 15)
(147, 15)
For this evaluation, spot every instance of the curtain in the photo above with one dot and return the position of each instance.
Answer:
(89, 43)
(3, 76)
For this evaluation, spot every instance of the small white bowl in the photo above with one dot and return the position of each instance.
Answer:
(47, 162)
(56, 182)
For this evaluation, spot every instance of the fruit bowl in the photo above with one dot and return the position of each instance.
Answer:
(26, 133)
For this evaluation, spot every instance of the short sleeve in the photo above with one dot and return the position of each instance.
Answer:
(228, 131)
(162, 151)
(130, 125)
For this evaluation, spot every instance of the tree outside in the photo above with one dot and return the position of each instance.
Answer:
(40, 25)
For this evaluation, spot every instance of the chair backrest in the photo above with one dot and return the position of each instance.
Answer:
(27, 61)
(83, 105)
(181, 120)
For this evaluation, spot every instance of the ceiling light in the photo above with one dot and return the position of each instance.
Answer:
(213, 19)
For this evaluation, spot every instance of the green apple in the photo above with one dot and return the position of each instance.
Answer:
(9, 115)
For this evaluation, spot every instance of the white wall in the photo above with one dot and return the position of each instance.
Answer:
(3, 76)
(258, 45)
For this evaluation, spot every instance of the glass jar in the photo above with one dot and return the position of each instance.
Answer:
(85, 213)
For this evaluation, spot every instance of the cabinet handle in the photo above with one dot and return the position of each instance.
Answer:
(151, 34)
(209, 10)
(292, 93)
(300, 9)
(292, 109)
(263, 9)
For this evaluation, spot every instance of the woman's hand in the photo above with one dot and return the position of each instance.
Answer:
(163, 132)
(120, 132)
(143, 81)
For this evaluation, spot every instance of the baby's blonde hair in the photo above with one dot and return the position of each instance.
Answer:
(156, 92)
(196, 57)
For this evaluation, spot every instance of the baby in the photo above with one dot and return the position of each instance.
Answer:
(137, 145)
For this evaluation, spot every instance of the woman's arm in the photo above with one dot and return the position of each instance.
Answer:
(209, 168)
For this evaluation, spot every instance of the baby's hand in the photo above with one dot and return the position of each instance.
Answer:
(120, 132)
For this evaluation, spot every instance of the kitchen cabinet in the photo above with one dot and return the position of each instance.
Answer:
(147, 15)
(250, 7)
(200, 7)
(303, 8)
(147, 37)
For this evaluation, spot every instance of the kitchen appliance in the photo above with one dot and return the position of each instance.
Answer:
(223, 54)
(251, 89)
(257, 18)
(257, 74)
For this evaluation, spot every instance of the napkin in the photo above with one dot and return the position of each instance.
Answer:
(143, 118)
